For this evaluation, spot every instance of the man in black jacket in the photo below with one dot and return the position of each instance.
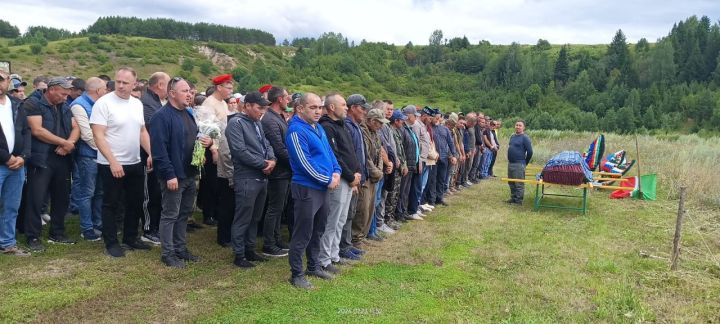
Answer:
(152, 99)
(338, 198)
(253, 160)
(14, 149)
(275, 127)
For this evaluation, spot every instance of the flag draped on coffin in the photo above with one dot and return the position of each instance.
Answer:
(647, 184)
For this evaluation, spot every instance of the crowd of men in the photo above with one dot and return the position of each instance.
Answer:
(341, 172)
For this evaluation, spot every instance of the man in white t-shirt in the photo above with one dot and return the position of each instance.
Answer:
(119, 132)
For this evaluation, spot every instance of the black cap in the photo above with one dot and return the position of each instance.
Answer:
(78, 84)
(257, 98)
(427, 111)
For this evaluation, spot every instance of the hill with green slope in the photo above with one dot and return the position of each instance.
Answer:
(670, 85)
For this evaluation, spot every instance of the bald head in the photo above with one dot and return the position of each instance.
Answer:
(158, 82)
(95, 87)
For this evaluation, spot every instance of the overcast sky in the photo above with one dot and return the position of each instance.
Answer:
(392, 21)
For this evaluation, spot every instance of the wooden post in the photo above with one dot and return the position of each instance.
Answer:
(678, 229)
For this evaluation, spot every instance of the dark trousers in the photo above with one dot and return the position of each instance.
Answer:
(120, 194)
(208, 190)
(275, 206)
(177, 206)
(517, 189)
(414, 193)
(152, 204)
(346, 238)
(430, 194)
(441, 181)
(249, 203)
(311, 211)
(401, 209)
(55, 180)
(226, 210)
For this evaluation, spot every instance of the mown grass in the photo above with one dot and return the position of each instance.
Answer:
(478, 260)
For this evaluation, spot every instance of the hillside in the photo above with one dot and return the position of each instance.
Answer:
(671, 85)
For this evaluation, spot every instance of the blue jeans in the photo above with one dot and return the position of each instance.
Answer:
(485, 163)
(11, 185)
(378, 199)
(88, 193)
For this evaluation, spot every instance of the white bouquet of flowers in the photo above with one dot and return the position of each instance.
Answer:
(208, 125)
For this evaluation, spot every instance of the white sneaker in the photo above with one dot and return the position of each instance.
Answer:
(419, 213)
(426, 208)
(45, 217)
(415, 217)
(385, 228)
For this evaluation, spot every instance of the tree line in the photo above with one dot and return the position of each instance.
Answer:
(160, 28)
(671, 84)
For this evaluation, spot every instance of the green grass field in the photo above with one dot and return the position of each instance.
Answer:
(478, 260)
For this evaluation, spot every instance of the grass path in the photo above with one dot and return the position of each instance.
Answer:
(478, 260)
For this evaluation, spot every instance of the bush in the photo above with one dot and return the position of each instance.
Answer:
(36, 48)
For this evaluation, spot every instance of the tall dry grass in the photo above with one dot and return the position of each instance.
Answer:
(678, 160)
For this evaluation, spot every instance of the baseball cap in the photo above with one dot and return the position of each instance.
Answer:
(60, 81)
(427, 110)
(78, 84)
(377, 114)
(257, 98)
(358, 99)
(397, 114)
(410, 110)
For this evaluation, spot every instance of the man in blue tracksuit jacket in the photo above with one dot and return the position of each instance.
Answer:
(315, 170)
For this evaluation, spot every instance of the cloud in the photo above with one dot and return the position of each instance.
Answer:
(394, 21)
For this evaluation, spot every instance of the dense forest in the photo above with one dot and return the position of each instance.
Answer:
(672, 84)
(161, 28)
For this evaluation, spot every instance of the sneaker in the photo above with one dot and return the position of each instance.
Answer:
(187, 256)
(60, 239)
(194, 225)
(350, 256)
(115, 251)
(210, 222)
(301, 282)
(151, 238)
(357, 251)
(341, 262)
(90, 235)
(241, 262)
(320, 273)
(385, 228)
(376, 238)
(415, 217)
(469, 183)
(136, 245)
(35, 245)
(331, 269)
(427, 207)
(252, 256)
(283, 246)
(394, 225)
(172, 261)
(97, 231)
(273, 251)
(45, 218)
(14, 250)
